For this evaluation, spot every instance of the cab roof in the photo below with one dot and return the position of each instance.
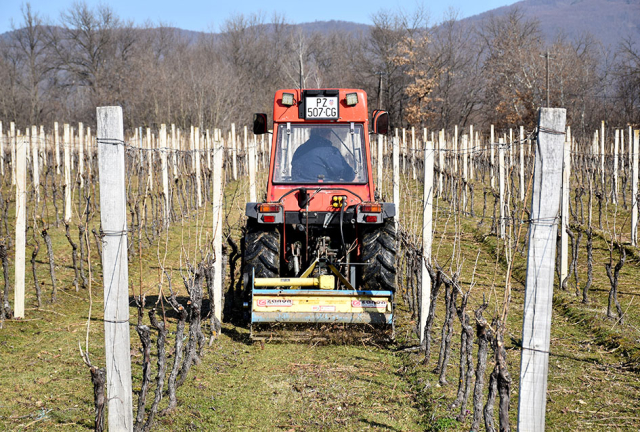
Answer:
(296, 112)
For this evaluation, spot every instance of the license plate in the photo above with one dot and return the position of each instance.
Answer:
(321, 107)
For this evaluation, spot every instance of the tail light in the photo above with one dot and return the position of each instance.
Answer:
(268, 208)
(371, 208)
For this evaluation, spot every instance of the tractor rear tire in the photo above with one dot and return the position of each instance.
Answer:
(262, 250)
(379, 250)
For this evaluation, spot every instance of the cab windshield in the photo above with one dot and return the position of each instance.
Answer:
(320, 153)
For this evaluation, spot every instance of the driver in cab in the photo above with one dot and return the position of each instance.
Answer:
(317, 160)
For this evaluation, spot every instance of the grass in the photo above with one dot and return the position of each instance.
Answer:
(305, 386)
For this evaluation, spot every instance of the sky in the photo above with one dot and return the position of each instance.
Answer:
(209, 15)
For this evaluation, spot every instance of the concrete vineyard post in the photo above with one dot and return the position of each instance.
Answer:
(66, 143)
(35, 168)
(149, 160)
(12, 138)
(113, 217)
(427, 230)
(21, 224)
(396, 178)
(380, 161)
(536, 328)
(81, 154)
(413, 151)
(521, 145)
(564, 237)
(602, 153)
(492, 162)
(616, 142)
(1, 151)
(251, 155)
(196, 158)
(165, 173)
(217, 202)
(501, 173)
(634, 191)
(233, 151)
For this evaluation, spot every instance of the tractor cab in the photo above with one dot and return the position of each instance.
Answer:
(321, 248)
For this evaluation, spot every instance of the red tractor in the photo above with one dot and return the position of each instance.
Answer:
(321, 248)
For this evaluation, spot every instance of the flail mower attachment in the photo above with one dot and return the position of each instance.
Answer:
(311, 308)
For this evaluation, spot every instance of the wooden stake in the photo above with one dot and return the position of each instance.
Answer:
(536, 328)
(380, 162)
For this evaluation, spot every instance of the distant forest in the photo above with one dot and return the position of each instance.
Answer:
(425, 74)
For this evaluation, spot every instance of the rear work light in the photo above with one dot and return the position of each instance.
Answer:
(268, 208)
(352, 99)
(287, 99)
(371, 208)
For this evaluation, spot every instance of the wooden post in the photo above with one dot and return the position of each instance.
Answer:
(113, 216)
(634, 190)
(196, 158)
(21, 224)
(35, 167)
(67, 173)
(403, 148)
(396, 178)
(564, 237)
(536, 328)
(233, 151)
(501, 186)
(427, 233)
(251, 159)
(217, 202)
(165, 173)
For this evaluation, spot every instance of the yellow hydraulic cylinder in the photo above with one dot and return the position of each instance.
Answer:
(322, 282)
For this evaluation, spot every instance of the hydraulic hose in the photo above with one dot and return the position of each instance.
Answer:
(344, 247)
